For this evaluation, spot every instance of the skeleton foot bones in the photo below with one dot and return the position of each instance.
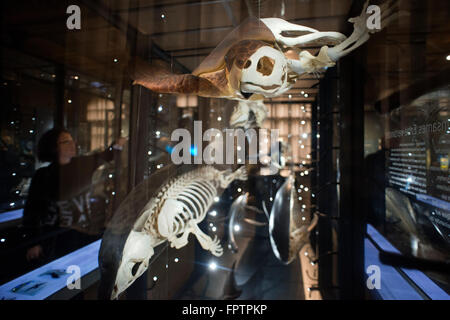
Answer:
(174, 213)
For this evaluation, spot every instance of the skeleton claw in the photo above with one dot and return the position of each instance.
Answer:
(215, 247)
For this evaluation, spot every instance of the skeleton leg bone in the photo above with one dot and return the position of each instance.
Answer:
(240, 116)
(259, 109)
(226, 178)
(181, 241)
(361, 32)
(328, 56)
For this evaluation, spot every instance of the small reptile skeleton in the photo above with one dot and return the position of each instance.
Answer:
(261, 58)
(173, 213)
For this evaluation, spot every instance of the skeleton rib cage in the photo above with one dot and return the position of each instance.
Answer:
(183, 200)
(195, 200)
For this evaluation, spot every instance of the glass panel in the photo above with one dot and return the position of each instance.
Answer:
(407, 137)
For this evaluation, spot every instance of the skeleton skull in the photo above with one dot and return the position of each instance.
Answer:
(136, 254)
(265, 73)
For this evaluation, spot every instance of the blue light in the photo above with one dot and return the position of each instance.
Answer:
(169, 149)
(194, 150)
(96, 84)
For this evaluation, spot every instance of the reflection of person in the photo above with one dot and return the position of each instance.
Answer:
(58, 212)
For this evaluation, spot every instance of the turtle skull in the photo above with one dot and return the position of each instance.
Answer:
(265, 73)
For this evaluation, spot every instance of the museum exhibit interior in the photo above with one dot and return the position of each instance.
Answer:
(225, 150)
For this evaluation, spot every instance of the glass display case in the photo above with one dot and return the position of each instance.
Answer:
(406, 134)
(257, 149)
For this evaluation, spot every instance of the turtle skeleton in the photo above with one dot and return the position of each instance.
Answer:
(261, 58)
(175, 212)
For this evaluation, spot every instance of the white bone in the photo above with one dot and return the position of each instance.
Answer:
(289, 35)
(361, 33)
(240, 115)
(309, 63)
(172, 215)
(138, 249)
(279, 26)
(272, 84)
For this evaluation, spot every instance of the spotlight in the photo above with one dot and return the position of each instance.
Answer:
(212, 266)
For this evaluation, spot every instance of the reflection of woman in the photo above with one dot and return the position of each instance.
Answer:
(58, 212)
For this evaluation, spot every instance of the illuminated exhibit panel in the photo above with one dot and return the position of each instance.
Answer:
(417, 168)
(53, 277)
